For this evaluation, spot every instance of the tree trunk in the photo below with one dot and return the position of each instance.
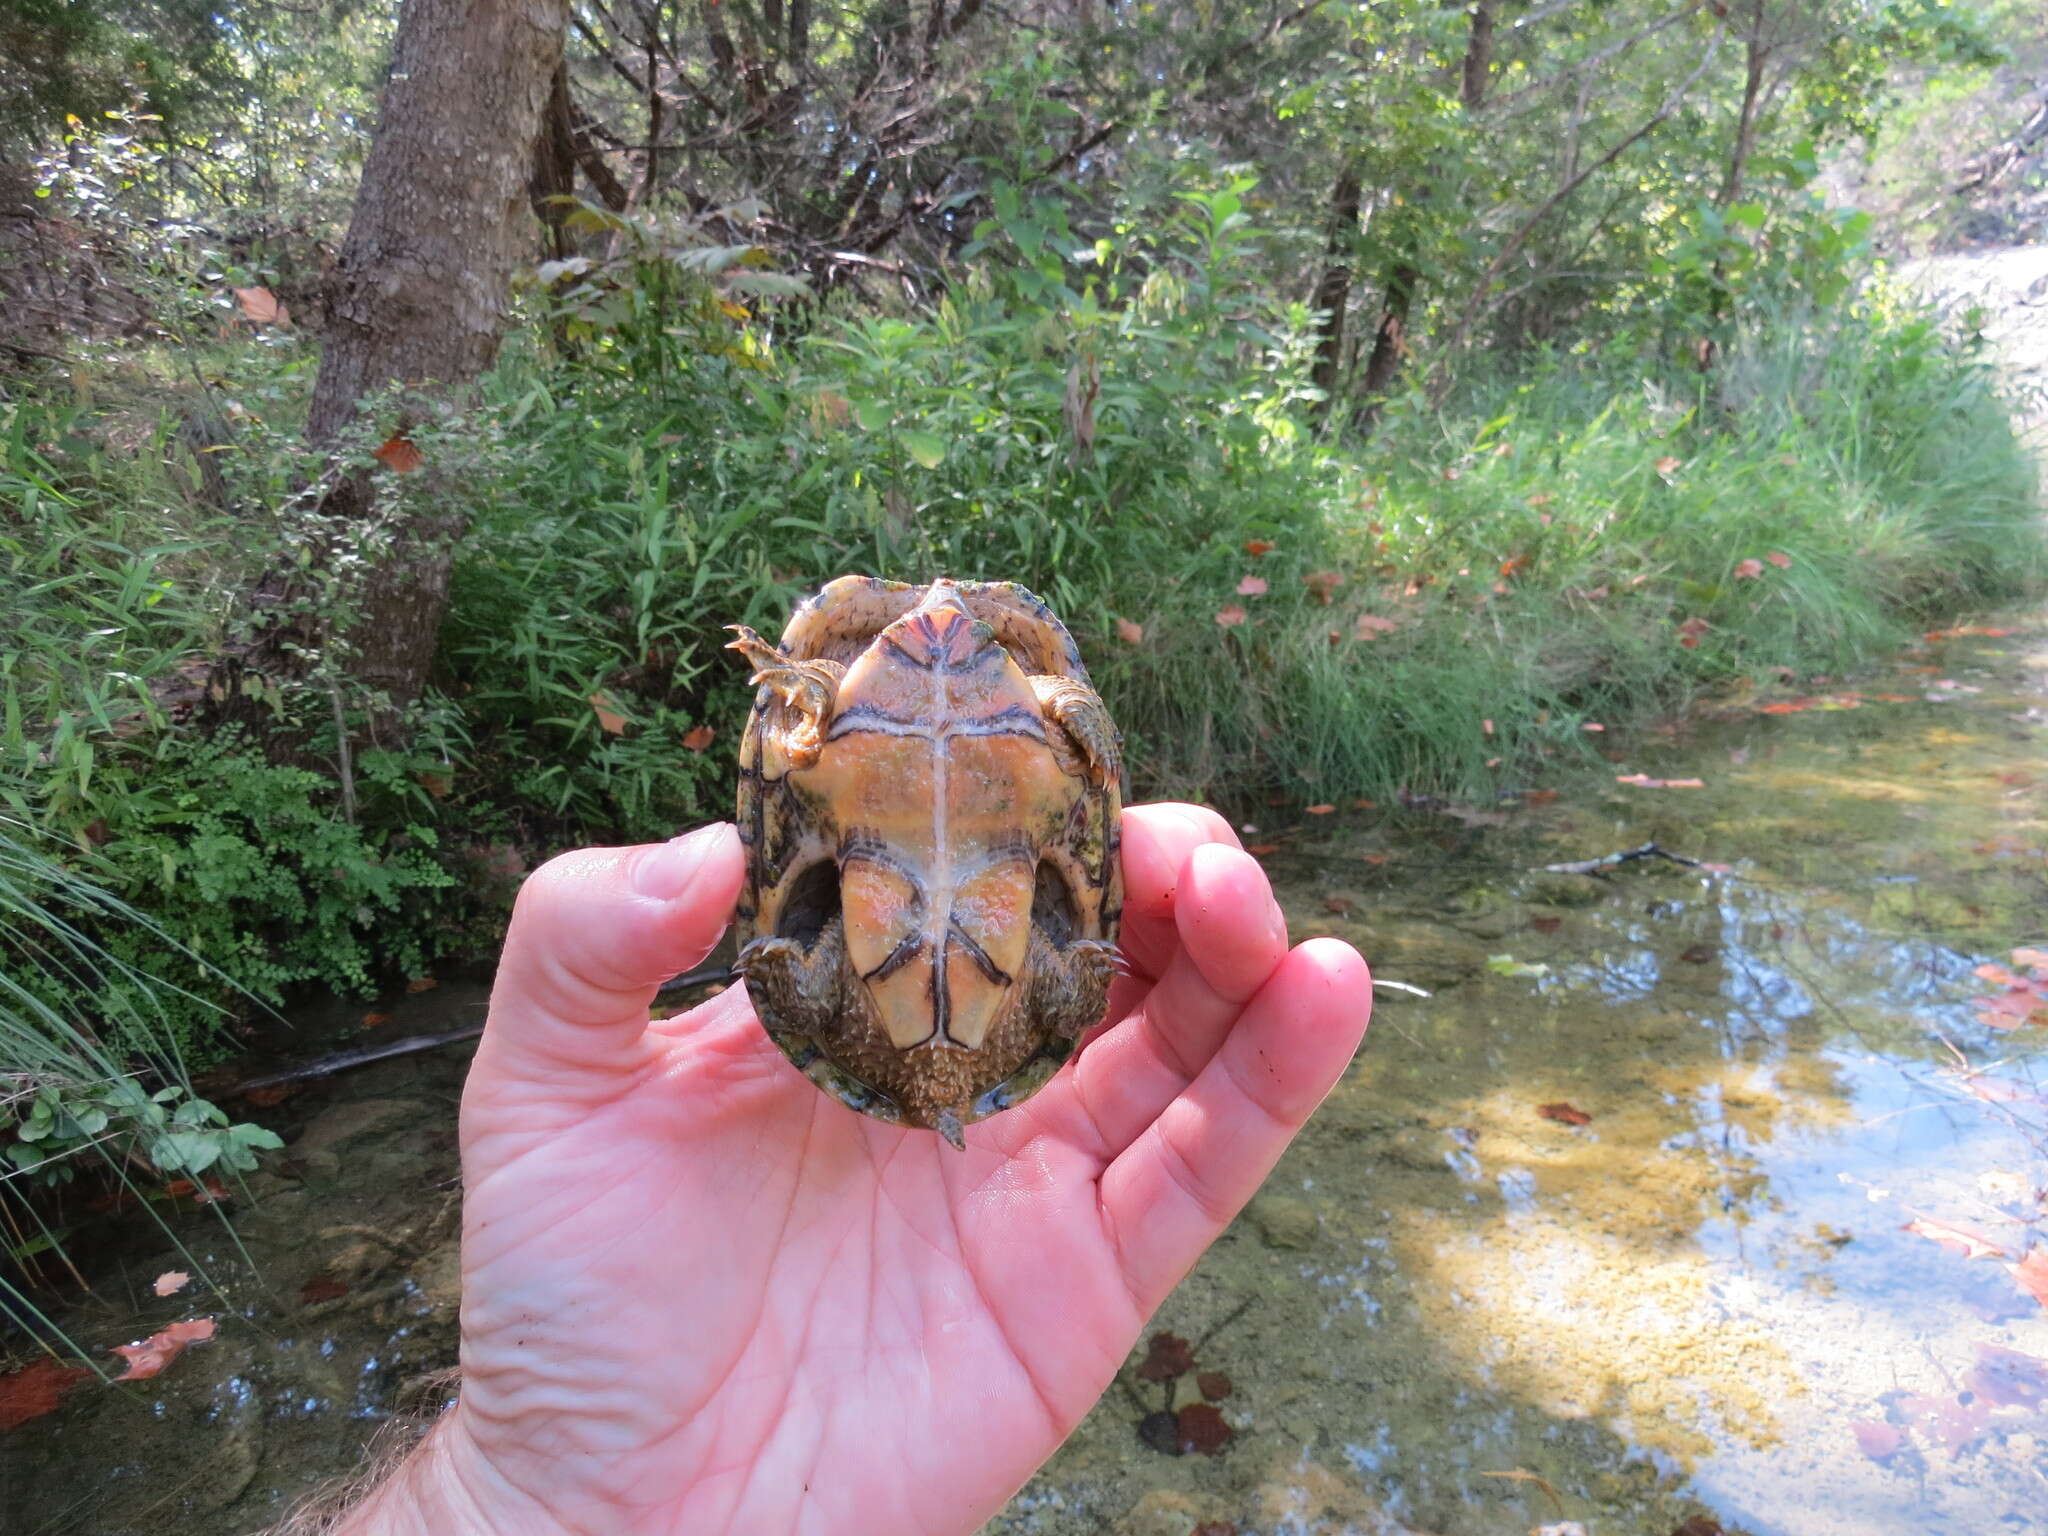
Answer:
(1390, 341)
(1758, 54)
(1333, 289)
(417, 293)
(1478, 55)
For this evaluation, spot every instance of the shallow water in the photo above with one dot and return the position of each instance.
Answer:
(1446, 1313)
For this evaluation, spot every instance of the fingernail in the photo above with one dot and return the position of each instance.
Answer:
(664, 873)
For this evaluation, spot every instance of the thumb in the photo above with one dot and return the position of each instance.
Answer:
(592, 936)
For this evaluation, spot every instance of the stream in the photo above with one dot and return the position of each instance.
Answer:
(1686, 1290)
(1655, 1218)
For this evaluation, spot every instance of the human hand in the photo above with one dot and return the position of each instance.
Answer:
(699, 1295)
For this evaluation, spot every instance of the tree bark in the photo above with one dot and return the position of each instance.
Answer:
(1333, 289)
(1478, 54)
(1390, 341)
(1757, 54)
(417, 293)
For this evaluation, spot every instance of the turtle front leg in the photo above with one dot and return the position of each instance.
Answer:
(1086, 743)
(808, 687)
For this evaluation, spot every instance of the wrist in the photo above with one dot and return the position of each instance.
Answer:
(447, 1487)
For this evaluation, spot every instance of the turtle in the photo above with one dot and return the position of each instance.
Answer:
(929, 794)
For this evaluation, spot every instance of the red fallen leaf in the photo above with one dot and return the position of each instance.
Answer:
(1203, 1428)
(1343, 906)
(1215, 1528)
(1749, 570)
(1318, 810)
(322, 1288)
(1213, 1385)
(1971, 1245)
(398, 454)
(1779, 558)
(2008, 1377)
(158, 1350)
(375, 1020)
(1876, 1439)
(270, 1096)
(1564, 1114)
(1252, 586)
(608, 717)
(1512, 564)
(213, 1190)
(1540, 796)
(436, 784)
(1546, 924)
(1370, 626)
(1167, 1355)
(1666, 466)
(1129, 633)
(170, 1282)
(1257, 547)
(2031, 1275)
(1592, 725)
(1540, 499)
(1260, 850)
(1323, 585)
(36, 1389)
(1785, 707)
(259, 305)
(421, 984)
(1698, 954)
(1699, 1525)
(1363, 804)
(699, 737)
(1230, 616)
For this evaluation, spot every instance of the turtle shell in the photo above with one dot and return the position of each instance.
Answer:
(929, 798)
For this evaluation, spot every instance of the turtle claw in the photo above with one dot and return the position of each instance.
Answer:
(807, 687)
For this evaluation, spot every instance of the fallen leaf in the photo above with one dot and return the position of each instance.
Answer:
(270, 1095)
(436, 784)
(171, 1281)
(1540, 499)
(1972, 1245)
(1564, 1114)
(1260, 850)
(1699, 1525)
(1167, 1355)
(1512, 564)
(1129, 633)
(699, 737)
(259, 305)
(36, 1389)
(1749, 570)
(1876, 1439)
(1230, 616)
(1203, 1428)
(608, 717)
(1644, 781)
(2008, 1377)
(1323, 585)
(1252, 586)
(422, 984)
(398, 454)
(1318, 810)
(158, 1350)
(2031, 1275)
(1215, 1528)
(1779, 558)
(1486, 727)
(1666, 466)
(1343, 906)
(1546, 924)
(373, 1020)
(1213, 1385)
(1699, 954)
(1257, 547)
(322, 1288)
(1592, 725)
(1371, 626)
(1540, 796)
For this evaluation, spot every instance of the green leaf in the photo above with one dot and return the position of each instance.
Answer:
(928, 448)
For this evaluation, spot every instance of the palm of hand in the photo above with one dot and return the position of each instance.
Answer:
(699, 1295)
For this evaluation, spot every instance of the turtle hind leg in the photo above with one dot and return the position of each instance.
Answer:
(1070, 985)
(796, 990)
(1084, 741)
(807, 687)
